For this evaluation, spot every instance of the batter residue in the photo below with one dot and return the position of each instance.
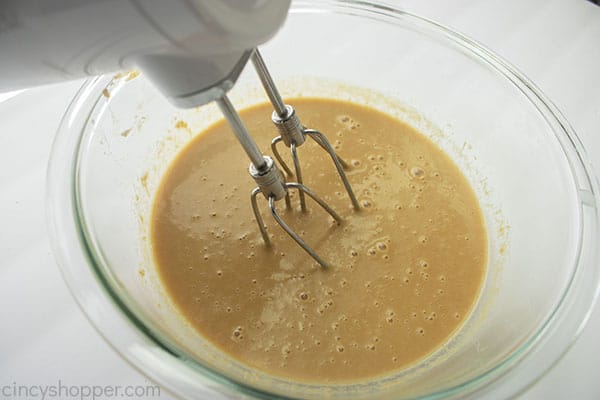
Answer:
(406, 269)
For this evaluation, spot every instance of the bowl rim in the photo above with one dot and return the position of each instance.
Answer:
(68, 222)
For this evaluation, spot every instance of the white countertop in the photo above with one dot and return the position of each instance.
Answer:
(45, 338)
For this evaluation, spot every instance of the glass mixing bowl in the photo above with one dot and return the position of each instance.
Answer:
(524, 161)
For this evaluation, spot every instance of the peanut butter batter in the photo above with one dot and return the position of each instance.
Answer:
(406, 269)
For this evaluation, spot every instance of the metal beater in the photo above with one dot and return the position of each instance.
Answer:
(293, 134)
(265, 172)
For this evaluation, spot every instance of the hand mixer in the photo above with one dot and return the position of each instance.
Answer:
(192, 50)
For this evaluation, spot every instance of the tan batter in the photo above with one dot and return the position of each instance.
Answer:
(407, 268)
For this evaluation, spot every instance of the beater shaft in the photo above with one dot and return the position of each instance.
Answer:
(240, 131)
(268, 83)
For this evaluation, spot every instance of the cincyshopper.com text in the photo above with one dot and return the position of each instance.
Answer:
(60, 390)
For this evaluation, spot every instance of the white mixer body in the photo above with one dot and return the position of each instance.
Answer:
(192, 50)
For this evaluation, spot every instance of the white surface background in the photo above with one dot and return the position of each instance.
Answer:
(45, 338)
